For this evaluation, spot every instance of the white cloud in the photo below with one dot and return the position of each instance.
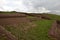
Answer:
(19, 5)
(40, 6)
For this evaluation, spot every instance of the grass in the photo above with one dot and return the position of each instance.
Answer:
(54, 17)
(3, 37)
(40, 32)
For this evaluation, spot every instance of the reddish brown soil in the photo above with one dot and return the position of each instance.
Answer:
(44, 16)
(13, 20)
(55, 30)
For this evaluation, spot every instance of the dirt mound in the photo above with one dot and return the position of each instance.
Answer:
(55, 30)
(5, 21)
(44, 16)
(12, 15)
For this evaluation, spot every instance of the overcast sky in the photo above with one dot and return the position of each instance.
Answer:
(39, 6)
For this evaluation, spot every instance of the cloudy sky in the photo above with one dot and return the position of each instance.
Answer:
(39, 6)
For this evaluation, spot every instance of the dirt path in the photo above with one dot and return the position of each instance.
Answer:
(55, 30)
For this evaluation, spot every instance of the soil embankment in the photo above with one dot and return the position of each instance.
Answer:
(55, 30)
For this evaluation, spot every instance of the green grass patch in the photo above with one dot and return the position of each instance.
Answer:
(40, 32)
(2, 37)
(54, 17)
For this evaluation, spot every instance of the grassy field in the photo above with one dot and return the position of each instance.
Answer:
(39, 32)
(54, 17)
